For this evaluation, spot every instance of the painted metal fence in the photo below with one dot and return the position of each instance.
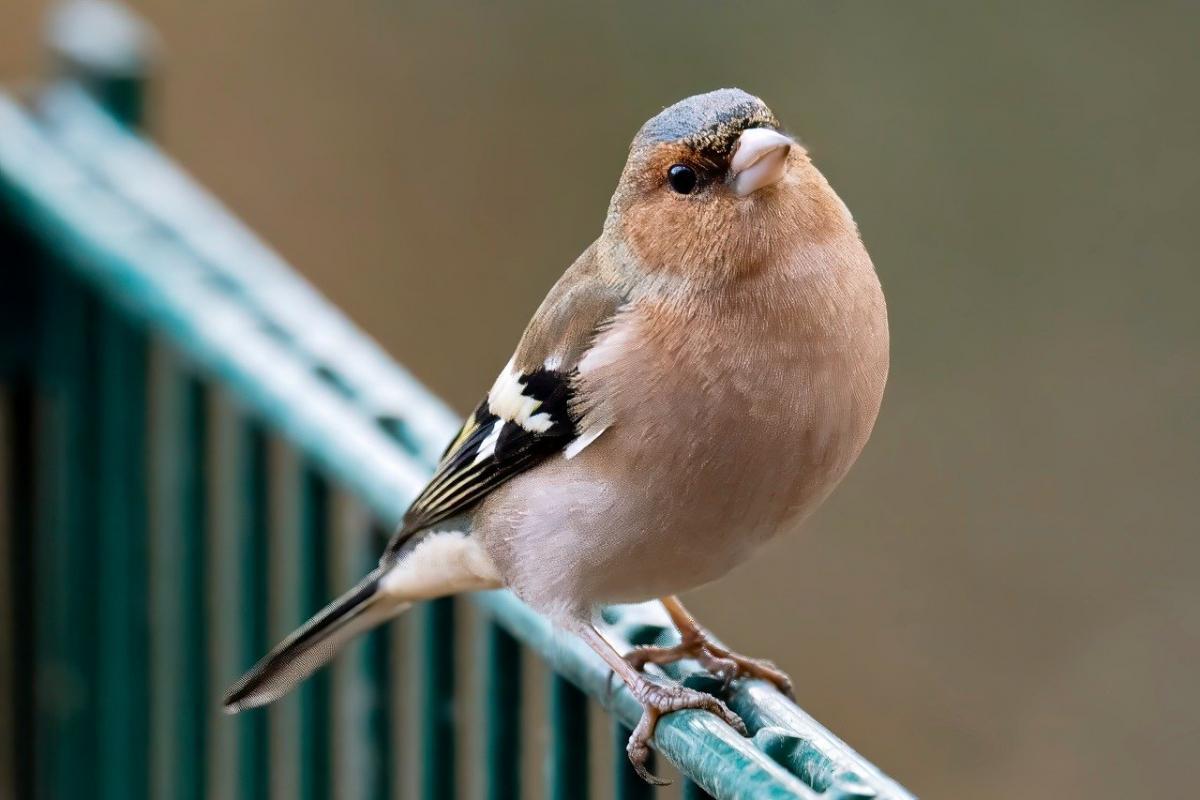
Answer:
(154, 358)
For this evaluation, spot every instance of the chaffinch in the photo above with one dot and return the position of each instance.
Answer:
(695, 384)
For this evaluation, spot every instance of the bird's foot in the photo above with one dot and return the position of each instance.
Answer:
(657, 700)
(721, 662)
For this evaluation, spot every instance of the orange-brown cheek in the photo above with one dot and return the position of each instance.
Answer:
(709, 235)
(672, 234)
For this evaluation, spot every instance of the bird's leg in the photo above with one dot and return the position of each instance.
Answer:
(697, 643)
(656, 700)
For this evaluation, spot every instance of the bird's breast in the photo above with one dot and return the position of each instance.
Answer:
(739, 413)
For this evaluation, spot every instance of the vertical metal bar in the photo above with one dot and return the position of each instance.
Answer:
(193, 704)
(114, 64)
(64, 547)
(569, 776)
(19, 311)
(253, 736)
(120, 529)
(20, 469)
(315, 717)
(626, 782)
(374, 660)
(437, 711)
(179, 556)
(502, 693)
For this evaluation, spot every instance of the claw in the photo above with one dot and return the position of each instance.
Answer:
(724, 668)
(657, 700)
(638, 749)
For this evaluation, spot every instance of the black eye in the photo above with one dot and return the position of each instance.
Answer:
(682, 178)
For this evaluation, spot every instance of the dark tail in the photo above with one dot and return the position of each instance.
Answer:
(314, 643)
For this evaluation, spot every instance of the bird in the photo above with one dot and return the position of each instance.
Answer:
(693, 386)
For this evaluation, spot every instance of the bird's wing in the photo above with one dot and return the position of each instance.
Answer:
(530, 413)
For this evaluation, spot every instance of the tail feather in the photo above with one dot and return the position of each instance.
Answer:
(313, 644)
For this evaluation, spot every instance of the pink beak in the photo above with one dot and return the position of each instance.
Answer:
(759, 160)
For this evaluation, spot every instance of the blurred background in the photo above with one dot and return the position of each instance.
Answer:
(1004, 597)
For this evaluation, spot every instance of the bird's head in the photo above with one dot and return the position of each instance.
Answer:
(713, 189)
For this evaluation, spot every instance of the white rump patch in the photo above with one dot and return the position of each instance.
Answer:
(442, 563)
(487, 447)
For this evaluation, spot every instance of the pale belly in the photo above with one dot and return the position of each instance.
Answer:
(643, 512)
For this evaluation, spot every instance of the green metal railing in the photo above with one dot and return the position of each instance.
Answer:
(155, 359)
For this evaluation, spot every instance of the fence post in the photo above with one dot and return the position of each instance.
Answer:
(438, 743)
(64, 545)
(180, 746)
(502, 698)
(106, 49)
(311, 548)
(569, 773)
(18, 302)
(120, 530)
(254, 744)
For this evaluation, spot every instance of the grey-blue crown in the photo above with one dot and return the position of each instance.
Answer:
(714, 115)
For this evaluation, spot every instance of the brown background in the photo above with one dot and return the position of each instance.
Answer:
(1002, 600)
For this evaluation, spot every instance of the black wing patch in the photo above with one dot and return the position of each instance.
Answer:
(490, 450)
